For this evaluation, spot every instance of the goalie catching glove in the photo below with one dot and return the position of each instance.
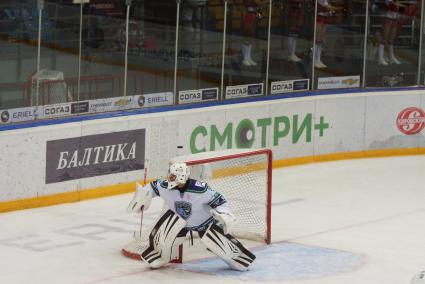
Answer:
(142, 199)
(224, 218)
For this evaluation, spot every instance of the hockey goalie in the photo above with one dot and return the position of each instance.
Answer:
(192, 206)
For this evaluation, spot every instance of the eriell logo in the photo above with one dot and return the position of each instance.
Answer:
(411, 120)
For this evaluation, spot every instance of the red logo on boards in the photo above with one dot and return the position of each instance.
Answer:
(411, 120)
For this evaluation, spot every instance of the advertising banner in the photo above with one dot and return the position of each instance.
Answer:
(95, 106)
(411, 120)
(80, 107)
(281, 87)
(18, 115)
(56, 110)
(342, 82)
(152, 100)
(110, 104)
(393, 121)
(131, 102)
(102, 105)
(196, 96)
(94, 155)
(243, 91)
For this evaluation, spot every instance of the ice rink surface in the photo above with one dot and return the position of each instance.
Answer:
(352, 222)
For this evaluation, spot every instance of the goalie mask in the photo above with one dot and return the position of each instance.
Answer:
(178, 173)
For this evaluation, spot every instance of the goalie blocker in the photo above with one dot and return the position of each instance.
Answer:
(170, 231)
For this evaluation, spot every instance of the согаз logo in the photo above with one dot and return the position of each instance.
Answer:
(411, 120)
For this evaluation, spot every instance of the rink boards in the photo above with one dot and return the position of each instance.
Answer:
(71, 161)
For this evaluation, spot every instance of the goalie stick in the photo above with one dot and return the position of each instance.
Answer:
(145, 173)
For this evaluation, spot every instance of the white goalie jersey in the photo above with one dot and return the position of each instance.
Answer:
(193, 203)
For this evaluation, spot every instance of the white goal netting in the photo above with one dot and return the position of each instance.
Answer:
(53, 88)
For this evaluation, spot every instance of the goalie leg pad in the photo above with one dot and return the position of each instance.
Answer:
(228, 248)
(162, 238)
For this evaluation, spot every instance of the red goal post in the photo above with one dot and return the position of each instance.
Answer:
(244, 178)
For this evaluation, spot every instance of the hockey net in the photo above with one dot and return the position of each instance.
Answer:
(53, 88)
(244, 178)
